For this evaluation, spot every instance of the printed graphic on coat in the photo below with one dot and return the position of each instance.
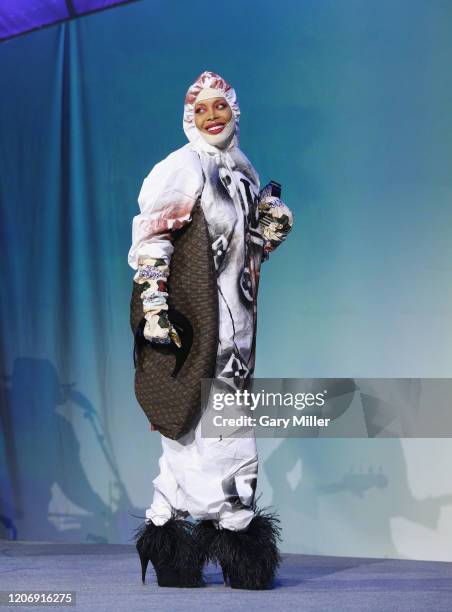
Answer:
(239, 487)
(230, 204)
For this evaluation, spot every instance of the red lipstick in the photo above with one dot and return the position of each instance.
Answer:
(216, 127)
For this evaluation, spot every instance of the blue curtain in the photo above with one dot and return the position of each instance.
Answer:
(66, 352)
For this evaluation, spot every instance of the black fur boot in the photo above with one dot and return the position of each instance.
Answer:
(249, 558)
(204, 534)
(172, 551)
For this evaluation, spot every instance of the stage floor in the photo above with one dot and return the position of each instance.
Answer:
(107, 577)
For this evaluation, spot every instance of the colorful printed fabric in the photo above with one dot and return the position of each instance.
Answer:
(154, 273)
(275, 220)
(157, 326)
(151, 269)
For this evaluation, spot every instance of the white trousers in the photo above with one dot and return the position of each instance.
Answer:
(207, 478)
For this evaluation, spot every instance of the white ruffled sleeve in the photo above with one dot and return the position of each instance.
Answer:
(166, 201)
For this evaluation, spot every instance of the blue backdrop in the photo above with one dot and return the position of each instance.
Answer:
(347, 104)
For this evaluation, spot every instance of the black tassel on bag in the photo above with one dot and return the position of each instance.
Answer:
(172, 551)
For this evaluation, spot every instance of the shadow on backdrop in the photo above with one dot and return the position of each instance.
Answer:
(344, 492)
(41, 467)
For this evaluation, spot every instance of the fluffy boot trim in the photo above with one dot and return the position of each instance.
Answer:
(172, 551)
(249, 558)
(205, 534)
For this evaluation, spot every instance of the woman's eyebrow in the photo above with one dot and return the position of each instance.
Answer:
(213, 101)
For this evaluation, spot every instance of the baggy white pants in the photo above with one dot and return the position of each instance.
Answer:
(207, 478)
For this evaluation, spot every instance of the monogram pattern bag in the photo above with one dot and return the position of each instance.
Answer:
(167, 378)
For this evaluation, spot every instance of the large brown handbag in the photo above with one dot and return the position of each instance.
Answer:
(167, 378)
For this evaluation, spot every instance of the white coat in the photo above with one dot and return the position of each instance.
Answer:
(205, 477)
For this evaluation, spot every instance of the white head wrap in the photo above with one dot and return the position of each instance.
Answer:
(210, 85)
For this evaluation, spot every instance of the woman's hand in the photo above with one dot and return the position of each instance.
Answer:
(275, 220)
(158, 328)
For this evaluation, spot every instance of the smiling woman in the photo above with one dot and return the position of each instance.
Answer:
(210, 114)
(214, 118)
(211, 479)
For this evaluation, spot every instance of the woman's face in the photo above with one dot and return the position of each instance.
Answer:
(212, 115)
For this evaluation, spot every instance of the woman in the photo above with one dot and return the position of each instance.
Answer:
(211, 479)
